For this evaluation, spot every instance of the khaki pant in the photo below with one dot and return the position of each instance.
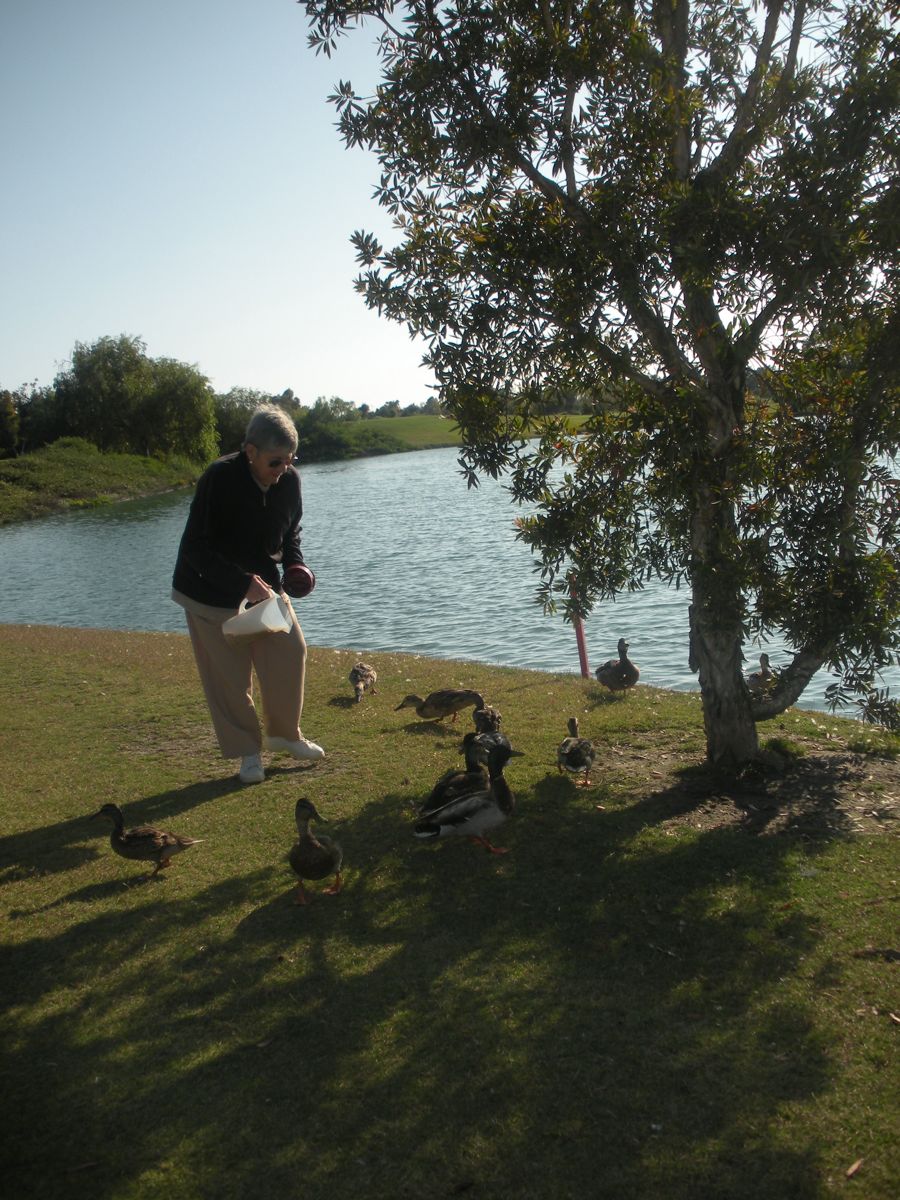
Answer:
(226, 666)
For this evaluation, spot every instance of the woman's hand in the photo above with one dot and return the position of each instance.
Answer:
(258, 590)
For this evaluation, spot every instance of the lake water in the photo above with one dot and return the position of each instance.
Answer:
(406, 558)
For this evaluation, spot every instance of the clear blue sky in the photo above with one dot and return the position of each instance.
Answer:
(171, 170)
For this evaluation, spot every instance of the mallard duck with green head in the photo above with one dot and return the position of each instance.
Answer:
(474, 809)
(446, 702)
(363, 678)
(314, 856)
(458, 782)
(618, 674)
(144, 843)
(576, 754)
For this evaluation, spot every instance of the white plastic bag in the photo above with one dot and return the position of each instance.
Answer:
(268, 616)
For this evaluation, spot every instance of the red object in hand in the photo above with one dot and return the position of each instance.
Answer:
(299, 581)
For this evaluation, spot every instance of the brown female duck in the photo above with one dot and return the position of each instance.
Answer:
(144, 843)
(314, 857)
(446, 702)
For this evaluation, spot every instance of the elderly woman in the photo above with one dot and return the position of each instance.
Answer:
(244, 522)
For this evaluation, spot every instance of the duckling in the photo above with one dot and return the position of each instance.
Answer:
(487, 803)
(363, 677)
(760, 681)
(314, 857)
(618, 674)
(576, 753)
(444, 703)
(144, 843)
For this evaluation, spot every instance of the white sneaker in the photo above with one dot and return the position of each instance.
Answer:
(251, 769)
(300, 749)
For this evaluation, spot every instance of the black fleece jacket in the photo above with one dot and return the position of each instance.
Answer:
(233, 530)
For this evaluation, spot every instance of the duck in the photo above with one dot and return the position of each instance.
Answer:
(618, 674)
(456, 782)
(363, 678)
(576, 754)
(474, 810)
(313, 857)
(760, 681)
(446, 702)
(144, 843)
(487, 719)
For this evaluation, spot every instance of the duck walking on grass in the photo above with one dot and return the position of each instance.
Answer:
(144, 843)
(618, 674)
(363, 678)
(314, 857)
(576, 754)
(475, 808)
(446, 702)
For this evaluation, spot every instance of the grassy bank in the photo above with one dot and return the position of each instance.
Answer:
(668, 988)
(72, 473)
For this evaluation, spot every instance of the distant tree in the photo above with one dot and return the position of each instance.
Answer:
(9, 424)
(432, 407)
(98, 396)
(649, 202)
(177, 416)
(411, 410)
(391, 409)
(233, 411)
(334, 408)
(39, 419)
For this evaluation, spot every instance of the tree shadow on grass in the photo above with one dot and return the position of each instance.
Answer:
(581, 1016)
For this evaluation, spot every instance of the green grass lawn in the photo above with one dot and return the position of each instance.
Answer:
(670, 987)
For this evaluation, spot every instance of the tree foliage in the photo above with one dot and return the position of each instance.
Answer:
(685, 212)
(116, 397)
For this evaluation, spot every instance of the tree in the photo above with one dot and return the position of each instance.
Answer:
(233, 411)
(9, 423)
(98, 396)
(673, 207)
(39, 419)
(177, 417)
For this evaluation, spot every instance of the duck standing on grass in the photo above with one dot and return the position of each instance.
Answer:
(487, 719)
(618, 674)
(446, 702)
(456, 782)
(576, 754)
(314, 857)
(363, 678)
(473, 810)
(477, 746)
(144, 843)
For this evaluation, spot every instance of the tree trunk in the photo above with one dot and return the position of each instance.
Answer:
(717, 623)
(731, 739)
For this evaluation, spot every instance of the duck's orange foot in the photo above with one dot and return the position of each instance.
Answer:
(334, 888)
(300, 896)
(482, 841)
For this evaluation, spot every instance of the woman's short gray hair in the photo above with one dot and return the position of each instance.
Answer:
(270, 428)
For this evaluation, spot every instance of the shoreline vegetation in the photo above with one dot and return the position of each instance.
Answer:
(671, 986)
(73, 473)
